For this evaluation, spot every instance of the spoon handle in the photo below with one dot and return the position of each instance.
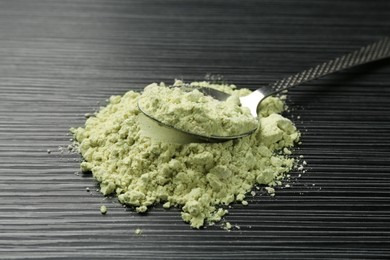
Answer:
(375, 51)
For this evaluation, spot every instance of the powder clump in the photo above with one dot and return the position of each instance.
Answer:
(200, 178)
(103, 209)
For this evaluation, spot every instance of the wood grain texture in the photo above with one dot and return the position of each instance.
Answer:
(58, 59)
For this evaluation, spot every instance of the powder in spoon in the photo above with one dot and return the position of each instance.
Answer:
(190, 110)
(199, 178)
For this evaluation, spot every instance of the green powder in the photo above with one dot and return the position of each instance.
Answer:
(138, 231)
(197, 177)
(194, 112)
(103, 209)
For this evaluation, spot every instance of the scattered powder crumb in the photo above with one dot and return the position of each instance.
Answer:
(253, 193)
(87, 189)
(138, 231)
(287, 151)
(103, 209)
(48, 151)
(199, 178)
(270, 190)
(287, 186)
(88, 115)
(227, 226)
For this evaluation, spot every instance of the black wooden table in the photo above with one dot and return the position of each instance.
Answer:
(60, 59)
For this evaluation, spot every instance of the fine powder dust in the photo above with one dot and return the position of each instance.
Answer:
(199, 178)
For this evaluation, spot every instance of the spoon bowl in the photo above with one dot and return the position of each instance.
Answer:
(195, 137)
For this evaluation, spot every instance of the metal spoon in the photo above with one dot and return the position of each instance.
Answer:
(373, 52)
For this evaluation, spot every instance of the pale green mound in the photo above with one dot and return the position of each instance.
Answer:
(192, 111)
(198, 177)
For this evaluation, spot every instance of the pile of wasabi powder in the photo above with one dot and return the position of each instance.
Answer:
(200, 178)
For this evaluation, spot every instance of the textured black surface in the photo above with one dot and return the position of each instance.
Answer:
(59, 58)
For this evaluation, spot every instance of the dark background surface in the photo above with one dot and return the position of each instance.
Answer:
(59, 58)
